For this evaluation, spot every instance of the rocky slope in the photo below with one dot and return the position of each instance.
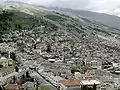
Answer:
(62, 35)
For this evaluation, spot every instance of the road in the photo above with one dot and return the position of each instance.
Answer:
(45, 82)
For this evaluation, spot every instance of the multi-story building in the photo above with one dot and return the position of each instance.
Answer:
(91, 83)
(4, 62)
(70, 84)
(96, 64)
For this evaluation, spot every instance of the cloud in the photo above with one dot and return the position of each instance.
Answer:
(105, 6)
(102, 6)
(76, 4)
(41, 2)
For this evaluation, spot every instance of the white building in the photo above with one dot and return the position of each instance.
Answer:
(90, 83)
(78, 76)
(96, 64)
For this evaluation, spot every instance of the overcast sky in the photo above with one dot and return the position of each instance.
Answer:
(103, 6)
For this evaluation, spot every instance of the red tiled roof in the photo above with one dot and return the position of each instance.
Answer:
(71, 82)
(12, 87)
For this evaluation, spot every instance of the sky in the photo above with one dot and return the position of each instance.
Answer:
(103, 6)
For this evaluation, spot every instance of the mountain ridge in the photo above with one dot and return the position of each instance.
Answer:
(104, 18)
(63, 34)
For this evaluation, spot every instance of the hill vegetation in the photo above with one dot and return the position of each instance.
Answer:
(64, 34)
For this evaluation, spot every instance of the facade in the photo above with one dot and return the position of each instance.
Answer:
(78, 76)
(6, 73)
(90, 83)
(96, 65)
(70, 84)
(77, 63)
(4, 62)
(88, 75)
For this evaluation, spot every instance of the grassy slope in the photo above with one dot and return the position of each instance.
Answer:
(24, 20)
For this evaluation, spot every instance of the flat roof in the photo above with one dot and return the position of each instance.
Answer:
(51, 60)
(90, 82)
(70, 82)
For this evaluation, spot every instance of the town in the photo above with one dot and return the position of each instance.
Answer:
(51, 71)
(54, 48)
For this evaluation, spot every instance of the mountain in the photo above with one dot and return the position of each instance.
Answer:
(58, 34)
(110, 20)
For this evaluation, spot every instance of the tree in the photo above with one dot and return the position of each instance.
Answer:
(18, 26)
(1, 66)
(94, 87)
(22, 79)
(35, 46)
(1, 88)
(13, 56)
(5, 18)
(84, 87)
(27, 74)
(14, 79)
(73, 70)
(16, 69)
(48, 48)
(37, 84)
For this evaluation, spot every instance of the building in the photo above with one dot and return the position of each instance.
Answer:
(6, 73)
(96, 64)
(28, 86)
(51, 60)
(12, 87)
(90, 84)
(70, 84)
(4, 62)
(78, 76)
(88, 75)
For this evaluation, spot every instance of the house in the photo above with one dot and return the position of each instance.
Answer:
(90, 83)
(115, 64)
(88, 75)
(51, 60)
(6, 73)
(78, 76)
(77, 62)
(70, 84)
(96, 64)
(28, 86)
(4, 62)
(12, 87)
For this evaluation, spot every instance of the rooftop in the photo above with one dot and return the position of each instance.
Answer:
(70, 82)
(90, 82)
(12, 87)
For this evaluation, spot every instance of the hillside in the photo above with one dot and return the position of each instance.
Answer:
(62, 35)
(110, 20)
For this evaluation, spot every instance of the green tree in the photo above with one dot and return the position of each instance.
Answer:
(14, 79)
(84, 87)
(5, 18)
(16, 69)
(94, 87)
(73, 70)
(27, 74)
(18, 26)
(1, 66)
